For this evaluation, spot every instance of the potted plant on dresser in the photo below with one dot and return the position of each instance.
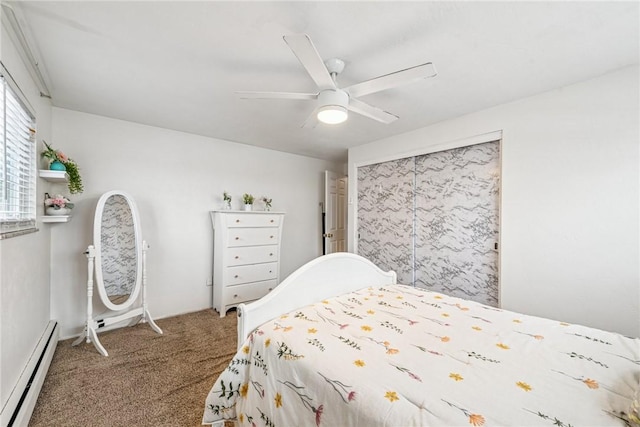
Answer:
(226, 198)
(248, 201)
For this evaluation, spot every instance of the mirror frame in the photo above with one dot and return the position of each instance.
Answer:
(97, 243)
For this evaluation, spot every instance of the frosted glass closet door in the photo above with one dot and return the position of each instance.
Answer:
(457, 222)
(385, 216)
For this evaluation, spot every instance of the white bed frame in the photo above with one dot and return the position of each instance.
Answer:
(321, 278)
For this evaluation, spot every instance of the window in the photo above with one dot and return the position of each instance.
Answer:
(17, 160)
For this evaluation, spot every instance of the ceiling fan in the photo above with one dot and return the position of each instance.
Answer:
(334, 102)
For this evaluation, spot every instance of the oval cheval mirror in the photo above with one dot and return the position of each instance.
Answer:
(118, 253)
(118, 257)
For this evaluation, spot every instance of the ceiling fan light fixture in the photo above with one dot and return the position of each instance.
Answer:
(332, 114)
(333, 106)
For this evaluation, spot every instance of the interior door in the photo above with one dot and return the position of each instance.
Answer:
(335, 212)
(341, 220)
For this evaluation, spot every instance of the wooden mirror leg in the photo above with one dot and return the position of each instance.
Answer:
(147, 318)
(93, 337)
(80, 338)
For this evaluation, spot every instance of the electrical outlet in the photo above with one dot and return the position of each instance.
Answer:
(209, 282)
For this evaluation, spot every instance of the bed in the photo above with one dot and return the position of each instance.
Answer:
(340, 343)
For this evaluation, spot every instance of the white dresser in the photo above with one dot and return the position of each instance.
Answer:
(246, 256)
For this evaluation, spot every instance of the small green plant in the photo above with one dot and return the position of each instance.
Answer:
(226, 197)
(248, 199)
(75, 180)
(267, 202)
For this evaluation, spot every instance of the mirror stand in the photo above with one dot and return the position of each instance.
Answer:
(93, 325)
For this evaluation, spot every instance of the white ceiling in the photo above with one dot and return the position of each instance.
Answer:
(177, 64)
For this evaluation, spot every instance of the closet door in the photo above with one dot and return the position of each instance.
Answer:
(385, 216)
(457, 222)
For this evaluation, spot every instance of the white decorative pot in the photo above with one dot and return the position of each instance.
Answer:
(57, 212)
(248, 207)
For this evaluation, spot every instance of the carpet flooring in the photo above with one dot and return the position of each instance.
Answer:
(147, 380)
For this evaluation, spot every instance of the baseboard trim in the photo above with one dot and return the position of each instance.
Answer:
(22, 400)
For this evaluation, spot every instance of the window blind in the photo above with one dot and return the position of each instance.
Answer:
(17, 160)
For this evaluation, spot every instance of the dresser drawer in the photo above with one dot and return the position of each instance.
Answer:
(252, 255)
(243, 293)
(251, 273)
(260, 220)
(252, 236)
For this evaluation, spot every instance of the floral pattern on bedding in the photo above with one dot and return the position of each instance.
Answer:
(402, 356)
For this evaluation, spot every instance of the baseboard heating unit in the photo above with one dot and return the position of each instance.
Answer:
(19, 407)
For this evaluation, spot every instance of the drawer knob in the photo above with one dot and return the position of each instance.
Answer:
(237, 220)
(270, 289)
(235, 277)
(237, 238)
(271, 237)
(271, 254)
(271, 220)
(269, 271)
(235, 295)
(237, 257)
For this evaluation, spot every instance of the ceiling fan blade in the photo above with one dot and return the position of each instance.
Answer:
(311, 121)
(392, 80)
(310, 59)
(371, 112)
(276, 95)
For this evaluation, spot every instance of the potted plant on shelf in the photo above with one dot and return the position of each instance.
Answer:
(248, 201)
(60, 162)
(227, 200)
(57, 205)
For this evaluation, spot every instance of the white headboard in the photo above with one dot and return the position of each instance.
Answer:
(321, 278)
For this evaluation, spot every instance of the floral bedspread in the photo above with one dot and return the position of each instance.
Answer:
(401, 356)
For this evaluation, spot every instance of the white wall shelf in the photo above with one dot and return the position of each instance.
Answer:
(54, 176)
(56, 218)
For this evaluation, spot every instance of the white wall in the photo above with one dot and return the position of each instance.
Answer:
(569, 198)
(24, 260)
(176, 179)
